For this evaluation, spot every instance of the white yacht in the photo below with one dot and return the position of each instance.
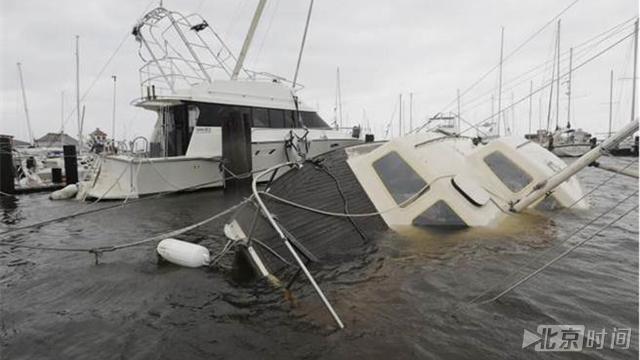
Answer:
(195, 84)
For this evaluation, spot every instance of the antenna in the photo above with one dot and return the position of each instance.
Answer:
(113, 117)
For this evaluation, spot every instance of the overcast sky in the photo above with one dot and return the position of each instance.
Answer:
(383, 48)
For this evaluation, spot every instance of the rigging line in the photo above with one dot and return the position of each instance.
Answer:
(580, 51)
(616, 29)
(531, 37)
(554, 260)
(516, 272)
(548, 84)
(104, 67)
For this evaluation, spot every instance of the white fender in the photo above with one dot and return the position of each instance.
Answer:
(183, 253)
(67, 192)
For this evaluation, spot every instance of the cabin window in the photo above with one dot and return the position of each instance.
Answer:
(439, 214)
(507, 171)
(276, 118)
(313, 121)
(398, 177)
(260, 118)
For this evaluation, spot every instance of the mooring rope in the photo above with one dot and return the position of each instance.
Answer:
(537, 257)
(98, 250)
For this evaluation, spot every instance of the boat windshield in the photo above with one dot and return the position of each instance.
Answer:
(398, 177)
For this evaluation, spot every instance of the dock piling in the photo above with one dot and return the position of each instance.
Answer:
(70, 164)
(7, 175)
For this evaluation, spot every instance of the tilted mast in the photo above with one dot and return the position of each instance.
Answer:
(248, 39)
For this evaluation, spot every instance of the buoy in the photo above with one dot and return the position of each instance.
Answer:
(66, 192)
(183, 253)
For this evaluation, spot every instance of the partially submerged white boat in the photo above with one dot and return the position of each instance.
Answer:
(185, 151)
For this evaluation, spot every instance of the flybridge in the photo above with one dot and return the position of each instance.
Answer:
(180, 52)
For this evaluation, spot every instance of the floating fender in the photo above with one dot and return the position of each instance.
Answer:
(67, 192)
(183, 253)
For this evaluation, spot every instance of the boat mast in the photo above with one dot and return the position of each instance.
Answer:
(610, 101)
(24, 102)
(546, 186)
(248, 39)
(569, 89)
(78, 94)
(500, 79)
(113, 113)
(530, 103)
(458, 93)
(410, 112)
(553, 73)
(558, 79)
(339, 97)
(62, 111)
(304, 39)
(635, 68)
(400, 117)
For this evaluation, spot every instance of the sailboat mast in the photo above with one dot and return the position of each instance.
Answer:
(113, 113)
(558, 78)
(78, 94)
(410, 112)
(635, 69)
(339, 97)
(553, 74)
(400, 117)
(500, 79)
(62, 111)
(248, 39)
(569, 89)
(24, 102)
(610, 101)
(530, 103)
(458, 93)
(304, 39)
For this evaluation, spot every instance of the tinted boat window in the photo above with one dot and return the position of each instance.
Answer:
(439, 214)
(276, 118)
(260, 117)
(507, 171)
(313, 121)
(398, 177)
(288, 119)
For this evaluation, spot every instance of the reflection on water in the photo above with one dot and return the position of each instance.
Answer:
(403, 295)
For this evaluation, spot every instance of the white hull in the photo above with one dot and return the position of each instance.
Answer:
(571, 150)
(122, 177)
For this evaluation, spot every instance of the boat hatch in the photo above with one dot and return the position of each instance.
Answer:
(401, 181)
(440, 214)
(511, 175)
(470, 190)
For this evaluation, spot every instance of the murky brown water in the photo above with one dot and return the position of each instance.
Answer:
(402, 297)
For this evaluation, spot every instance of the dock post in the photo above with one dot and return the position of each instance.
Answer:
(70, 164)
(56, 175)
(236, 154)
(7, 176)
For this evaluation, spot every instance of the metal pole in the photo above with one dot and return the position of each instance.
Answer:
(304, 39)
(247, 40)
(78, 94)
(113, 116)
(635, 68)
(410, 112)
(530, 103)
(61, 112)
(500, 79)
(400, 117)
(569, 89)
(558, 79)
(544, 187)
(24, 102)
(610, 101)
(458, 94)
(339, 97)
